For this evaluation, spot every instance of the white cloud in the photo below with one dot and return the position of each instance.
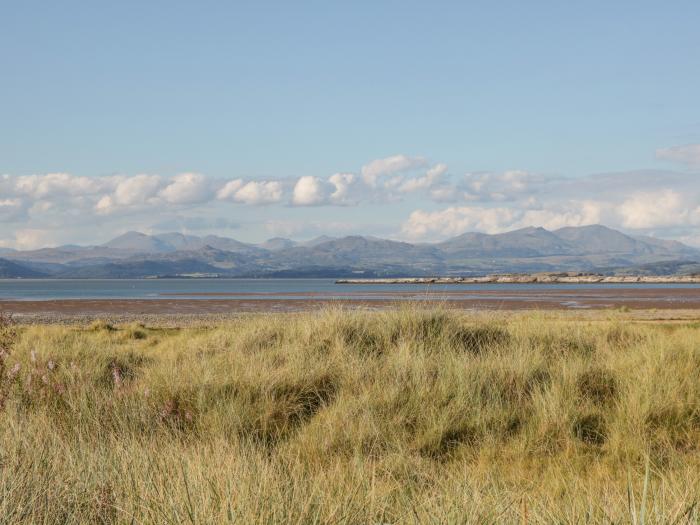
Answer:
(187, 188)
(430, 179)
(129, 192)
(663, 203)
(340, 189)
(389, 166)
(137, 190)
(53, 185)
(651, 210)
(343, 183)
(228, 191)
(579, 214)
(687, 154)
(118, 195)
(253, 193)
(256, 193)
(30, 239)
(311, 191)
(457, 220)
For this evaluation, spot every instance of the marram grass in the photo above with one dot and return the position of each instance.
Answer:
(402, 416)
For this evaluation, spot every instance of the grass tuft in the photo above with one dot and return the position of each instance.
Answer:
(100, 325)
(598, 385)
(121, 369)
(479, 338)
(590, 428)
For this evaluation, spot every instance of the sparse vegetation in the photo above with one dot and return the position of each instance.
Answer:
(401, 416)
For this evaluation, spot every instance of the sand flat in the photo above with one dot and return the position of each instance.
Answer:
(672, 299)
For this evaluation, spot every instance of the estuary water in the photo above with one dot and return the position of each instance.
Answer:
(300, 289)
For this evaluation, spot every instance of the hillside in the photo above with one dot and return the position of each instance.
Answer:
(9, 269)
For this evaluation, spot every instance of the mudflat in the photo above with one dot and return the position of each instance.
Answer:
(526, 299)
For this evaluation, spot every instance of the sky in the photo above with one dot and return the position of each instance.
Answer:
(406, 120)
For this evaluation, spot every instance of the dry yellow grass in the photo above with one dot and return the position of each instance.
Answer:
(403, 416)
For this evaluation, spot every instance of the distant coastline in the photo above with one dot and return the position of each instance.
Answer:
(534, 278)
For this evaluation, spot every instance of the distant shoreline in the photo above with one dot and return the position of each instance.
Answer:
(532, 279)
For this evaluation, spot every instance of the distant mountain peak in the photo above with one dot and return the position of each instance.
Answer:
(529, 229)
(318, 240)
(127, 236)
(588, 228)
(278, 243)
(137, 241)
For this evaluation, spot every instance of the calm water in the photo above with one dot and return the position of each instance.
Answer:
(25, 289)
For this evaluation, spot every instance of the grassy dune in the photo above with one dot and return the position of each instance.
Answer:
(405, 416)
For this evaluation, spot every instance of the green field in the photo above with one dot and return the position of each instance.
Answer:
(402, 416)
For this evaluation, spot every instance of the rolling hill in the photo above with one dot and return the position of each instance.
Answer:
(11, 270)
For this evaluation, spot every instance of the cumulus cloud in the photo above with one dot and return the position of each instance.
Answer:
(40, 193)
(136, 190)
(576, 214)
(228, 191)
(430, 179)
(117, 195)
(344, 184)
(252, 192)
(255, 193)
(372, 171)
(311, 191)
(652, 210)
(129, 192)
(455, 221)
(626, 201)
(53, 185)
(664, 203)
(187, 188)
(342, 189)
(661, 203)
(688, 154)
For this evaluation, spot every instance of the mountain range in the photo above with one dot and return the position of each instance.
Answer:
(137, 255)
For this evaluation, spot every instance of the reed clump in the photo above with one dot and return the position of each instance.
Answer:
(398, 416)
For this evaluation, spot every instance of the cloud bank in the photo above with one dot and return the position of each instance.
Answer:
(404, 196)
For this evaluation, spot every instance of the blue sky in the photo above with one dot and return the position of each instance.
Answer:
(512, 104)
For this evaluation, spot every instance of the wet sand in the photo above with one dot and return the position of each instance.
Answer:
(219, 308)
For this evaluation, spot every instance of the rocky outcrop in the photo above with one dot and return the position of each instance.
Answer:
(535, 278)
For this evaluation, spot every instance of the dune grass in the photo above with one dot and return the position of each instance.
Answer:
(401, 416)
